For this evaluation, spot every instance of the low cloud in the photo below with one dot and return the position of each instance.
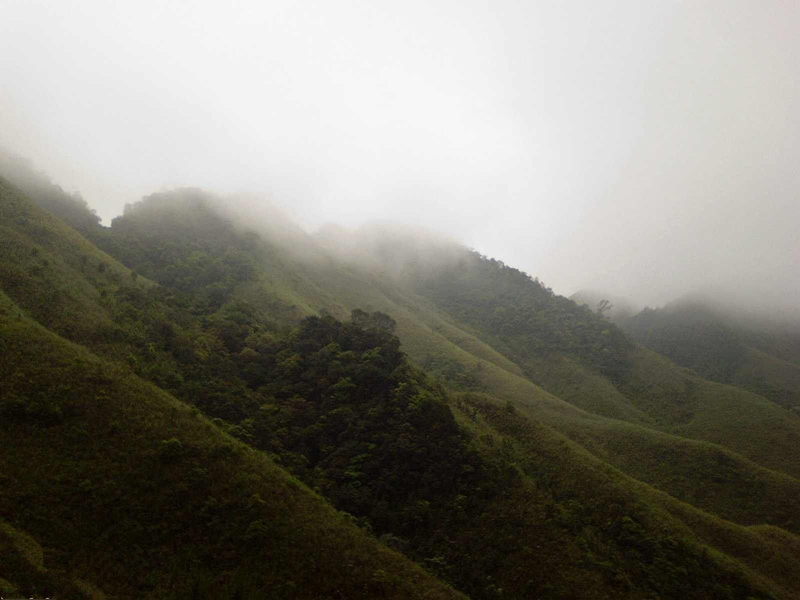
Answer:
(645, 149)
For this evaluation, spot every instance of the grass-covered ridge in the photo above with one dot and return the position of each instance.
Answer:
(579, 356)
(597, 496)
(344, 406)
(757, 357)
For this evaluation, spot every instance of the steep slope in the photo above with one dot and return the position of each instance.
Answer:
(230, 300)
(226, 521)
(58, 274)
(525, 322)
(577, 356)
(601, 500)
(49, 388)
(130, 490)
(755, 356)
(71, 208)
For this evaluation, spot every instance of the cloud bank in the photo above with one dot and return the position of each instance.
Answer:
(647, 149)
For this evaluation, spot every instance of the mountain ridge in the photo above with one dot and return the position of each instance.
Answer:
(212, 307)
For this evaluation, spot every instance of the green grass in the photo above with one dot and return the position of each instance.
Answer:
(584, 388)
(774, 378)
(692, 407)
(726, 348)
(632, 434)
(689, 462)
(596, 496)
(702, 474)
(135, 492)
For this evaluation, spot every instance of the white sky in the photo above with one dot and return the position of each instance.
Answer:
(644, 148)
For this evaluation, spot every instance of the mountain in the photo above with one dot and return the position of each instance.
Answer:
(111, 486)
(758, 355)
(380, 413)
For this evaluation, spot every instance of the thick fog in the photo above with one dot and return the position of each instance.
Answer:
(646, 149)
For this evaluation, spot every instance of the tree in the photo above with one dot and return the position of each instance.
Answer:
(603, 307)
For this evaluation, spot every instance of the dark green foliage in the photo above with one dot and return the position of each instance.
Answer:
(451, 373)
(178, 241)
(347, 413)
(718, 348)
(692, 339)
(523, 317)
(138, 494)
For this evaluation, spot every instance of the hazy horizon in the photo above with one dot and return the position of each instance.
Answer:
(644, 150)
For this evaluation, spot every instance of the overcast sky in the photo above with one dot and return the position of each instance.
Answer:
(644, 148)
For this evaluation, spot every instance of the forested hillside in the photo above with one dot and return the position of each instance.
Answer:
(759, 357)
(317, 425)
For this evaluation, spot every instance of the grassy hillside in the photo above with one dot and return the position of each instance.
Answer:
(755, 356)
(134, 492)
(491, 498)
(707, 476)
(579, 356)
(602, 500)
(646, 390)
(58, 275)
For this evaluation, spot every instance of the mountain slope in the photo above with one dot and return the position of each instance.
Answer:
(596, 492)
(754, 355)
(645, 390)
(492, 298)
(132, 491)
(220, 332)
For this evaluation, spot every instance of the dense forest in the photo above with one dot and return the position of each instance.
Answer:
(227, 420)
(525, 315)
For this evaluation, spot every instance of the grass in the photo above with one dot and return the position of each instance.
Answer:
(664, 426)
(598, 495)
(121, 454)
(135, 492)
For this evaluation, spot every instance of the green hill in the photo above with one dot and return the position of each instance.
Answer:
(580, 357)
(753, 355)
(519, 463)
(134, 493)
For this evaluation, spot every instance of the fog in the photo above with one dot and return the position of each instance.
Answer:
(646, 149)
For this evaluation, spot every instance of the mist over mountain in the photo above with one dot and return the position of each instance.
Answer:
(464, 428)
(323, 300)
(648, 151)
